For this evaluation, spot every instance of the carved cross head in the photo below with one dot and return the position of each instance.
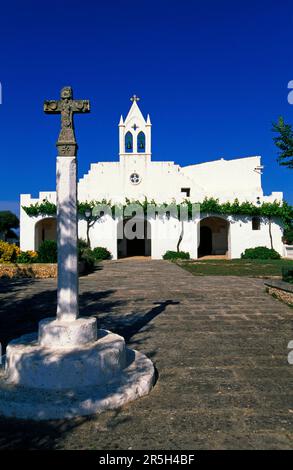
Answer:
(66, 93)
(66, 107)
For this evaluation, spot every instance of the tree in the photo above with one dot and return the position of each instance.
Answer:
(284, 142)
(288, 234)
(180, 236)
(8, 221)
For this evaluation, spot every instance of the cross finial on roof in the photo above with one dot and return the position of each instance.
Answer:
(134, 98)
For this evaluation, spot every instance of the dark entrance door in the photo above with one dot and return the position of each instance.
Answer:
(136, 247)
(206, 242)
(139, 246)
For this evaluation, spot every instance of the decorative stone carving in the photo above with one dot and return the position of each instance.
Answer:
(67, 107)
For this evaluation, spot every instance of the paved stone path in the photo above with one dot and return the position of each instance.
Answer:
(219, 345)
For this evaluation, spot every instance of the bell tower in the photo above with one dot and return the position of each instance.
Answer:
(135, 133)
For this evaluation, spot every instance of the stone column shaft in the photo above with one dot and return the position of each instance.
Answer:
(67, 296)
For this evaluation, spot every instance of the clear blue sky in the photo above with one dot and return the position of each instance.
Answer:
(212, 74)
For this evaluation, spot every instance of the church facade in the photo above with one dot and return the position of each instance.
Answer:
(136, 177)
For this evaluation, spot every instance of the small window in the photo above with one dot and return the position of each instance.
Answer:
(128, 142)
(186, 191)
(255, 223)
(141, 142)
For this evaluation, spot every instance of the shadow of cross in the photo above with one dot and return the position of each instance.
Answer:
(130, 330)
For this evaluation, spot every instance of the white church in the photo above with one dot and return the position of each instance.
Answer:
(135, 176)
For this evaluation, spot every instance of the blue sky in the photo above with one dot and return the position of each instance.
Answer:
(212, 74)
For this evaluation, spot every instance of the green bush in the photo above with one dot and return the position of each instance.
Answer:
(81, 245)
(47, 252)
(176, 255)
(101, 253)
(260, 252)
(288, 235)
(27, 257)
(287, 275)
(87, 257)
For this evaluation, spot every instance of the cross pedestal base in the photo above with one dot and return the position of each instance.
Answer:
(63, 333)
(71, 370)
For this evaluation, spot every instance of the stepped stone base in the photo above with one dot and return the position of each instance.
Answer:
(40, 382)
(58, 333)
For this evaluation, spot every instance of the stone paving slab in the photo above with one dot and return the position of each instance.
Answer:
(219, 345)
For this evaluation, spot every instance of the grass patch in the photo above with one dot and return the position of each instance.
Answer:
(237, 267)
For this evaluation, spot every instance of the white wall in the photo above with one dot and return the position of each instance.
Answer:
(288, 251)
(27, 223)
(228, 179)
(103, 233)
(165, 234)
(242, 236)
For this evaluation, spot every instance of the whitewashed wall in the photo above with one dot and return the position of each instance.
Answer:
(27, 223)
(288, 251)
(242, 236)
(103, 233)
(165, 234)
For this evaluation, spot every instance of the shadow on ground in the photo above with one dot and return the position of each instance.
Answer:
(225, 382)
(20, 315)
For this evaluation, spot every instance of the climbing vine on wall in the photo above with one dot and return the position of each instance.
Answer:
(282, 210)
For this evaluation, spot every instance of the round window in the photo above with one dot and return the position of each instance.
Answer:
(135, 178)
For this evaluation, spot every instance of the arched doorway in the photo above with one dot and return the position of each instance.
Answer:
(129, 244)
(45, 229)
(214, 237)
(206, 241)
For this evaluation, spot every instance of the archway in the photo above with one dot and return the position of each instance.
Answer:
(206, 241)
(139, 245)
(214, 237)
(45, 229)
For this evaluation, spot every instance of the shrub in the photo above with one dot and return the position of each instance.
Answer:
(287, 275)
(260, 252)
(88, 258)
(176, 255)
(8, 252)
(47, 252)
(101, 253)
(288, 236)
(27, 257)
(81, 245)
(85, 255)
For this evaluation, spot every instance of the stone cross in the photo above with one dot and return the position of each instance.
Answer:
(66, 189)
(67, 107)
(134, 98)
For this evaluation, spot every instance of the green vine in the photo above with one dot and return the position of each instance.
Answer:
(282, 210)
(43, 208)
